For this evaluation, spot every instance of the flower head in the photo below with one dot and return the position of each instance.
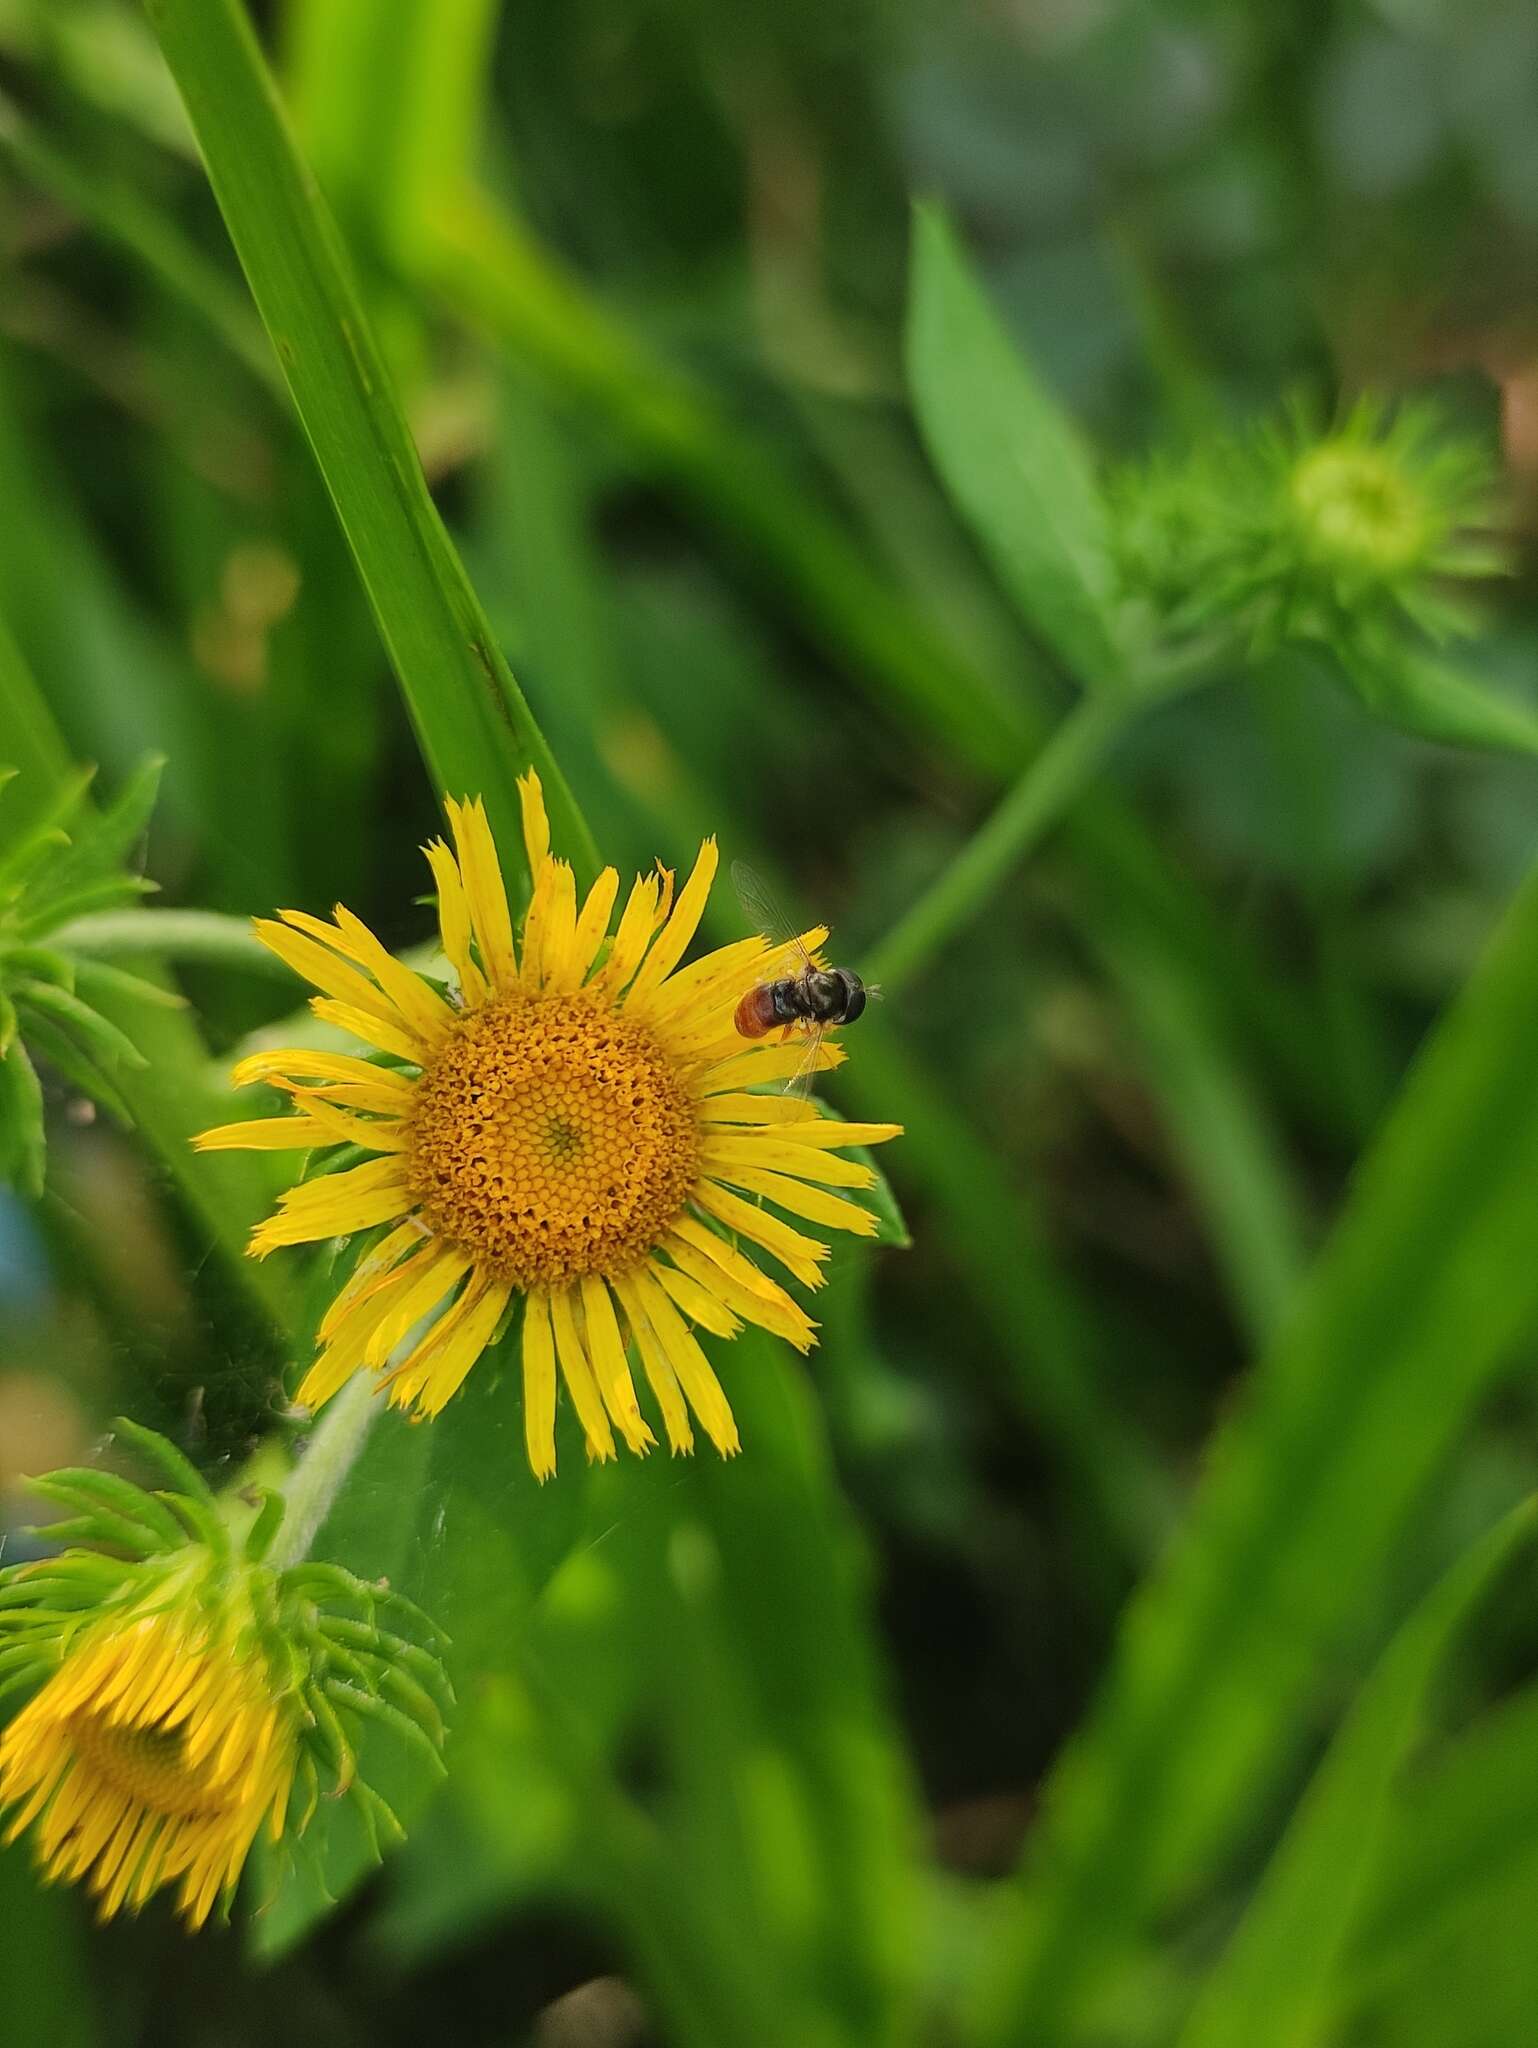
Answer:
(576, 1125)
(1344, 536)
(182, 1689)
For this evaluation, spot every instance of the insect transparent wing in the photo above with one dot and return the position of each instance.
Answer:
(763, 913)
(800, 1082)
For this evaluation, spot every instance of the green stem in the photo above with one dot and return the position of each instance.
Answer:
(330, 1452)
(1035, 803)
(173, 935)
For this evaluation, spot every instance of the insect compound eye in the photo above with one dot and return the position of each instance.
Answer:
(854, 995)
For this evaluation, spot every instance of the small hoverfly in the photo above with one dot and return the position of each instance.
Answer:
(812, 998)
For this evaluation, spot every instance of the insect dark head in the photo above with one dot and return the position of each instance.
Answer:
(854, 996)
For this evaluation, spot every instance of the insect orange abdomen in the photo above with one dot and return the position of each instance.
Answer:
(755, 1014)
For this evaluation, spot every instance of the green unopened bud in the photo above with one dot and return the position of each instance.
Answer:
(1344, 537)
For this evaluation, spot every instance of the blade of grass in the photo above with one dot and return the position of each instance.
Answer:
(475, 729)
(1457, 1838)
(1271, 1985)
(1406, 1320)
(1220, 1130)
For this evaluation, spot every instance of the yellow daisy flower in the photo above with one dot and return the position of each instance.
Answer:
(578, 1126)
(185, 1689)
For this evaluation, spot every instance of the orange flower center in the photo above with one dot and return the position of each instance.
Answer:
(147, 1765)
(551, 1138)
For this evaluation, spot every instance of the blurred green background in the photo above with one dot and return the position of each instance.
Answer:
(752, 1754)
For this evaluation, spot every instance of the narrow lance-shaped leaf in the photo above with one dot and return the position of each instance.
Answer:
(1270, 1987)
(1011, 459)
(1404, 1323)
(475, 729)
(1427, 696)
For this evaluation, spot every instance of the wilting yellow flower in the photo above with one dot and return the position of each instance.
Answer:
(183, 1691)
(575, 1127)
(153, 1757)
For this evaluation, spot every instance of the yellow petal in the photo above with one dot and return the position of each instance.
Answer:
(436, 1370)
(593, 924)
(318, 964)
(373, 1270)
(734, 966)
(673, 941)
(481, 873)
(286, 1068)
(374, 1134)
(695, 1374)
(433, 1280)
(758, 1299)
(782, 1155)
(697, 1303)
(767, 1063)
(820, 1132)
(392, 1095)
(814, 1204)
(556, 947)
(539, 1386)
(373, 1030)
(800, 1256)
(757, 1109)
(660, 1375)
(578, 1375)
(631, 940)
(454, 923)
(423, 1008)
(607, 1354)
(536, 825)
(265, 1134)
(337, 1205)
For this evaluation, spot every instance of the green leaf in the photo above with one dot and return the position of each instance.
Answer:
(95, 979)
(1404, 1323)
(475, 729)
(99, 844)
(23, 1144)
(1428, 697)
(1270, 1987)
(48, 1989)
(210, 935)
(102, 1037)
(75, 1067)
(1011, 459)
(1460, 1833)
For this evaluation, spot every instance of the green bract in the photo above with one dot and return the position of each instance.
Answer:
(332, 1652)
(66, 865)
